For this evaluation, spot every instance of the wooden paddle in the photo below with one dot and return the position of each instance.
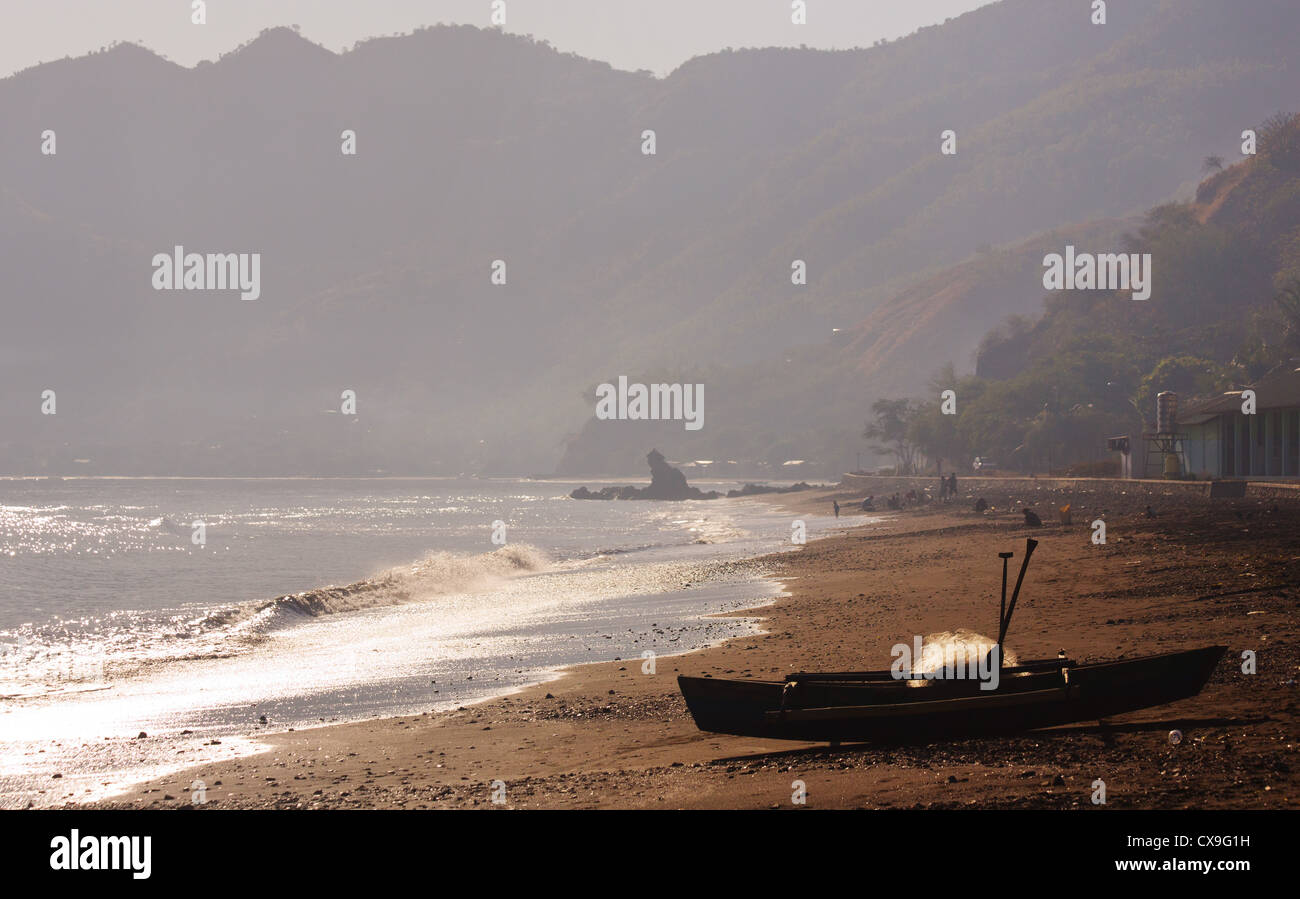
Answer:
(1030, 545)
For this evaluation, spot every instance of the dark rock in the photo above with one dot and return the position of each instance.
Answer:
(666, 483)
(759, 489)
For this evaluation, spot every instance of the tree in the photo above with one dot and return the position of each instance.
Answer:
(1186, 375)
(891, 431)
(1212, 164)
(1288, 303)
(1279, 140)
(936, 435)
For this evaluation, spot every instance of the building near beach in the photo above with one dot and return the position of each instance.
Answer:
(1249, 433)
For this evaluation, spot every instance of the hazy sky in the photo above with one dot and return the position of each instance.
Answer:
(630, 34)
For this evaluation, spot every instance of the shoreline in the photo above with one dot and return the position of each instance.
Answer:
(177, 778)
(263, 743)
(597, 594)
(605, 735)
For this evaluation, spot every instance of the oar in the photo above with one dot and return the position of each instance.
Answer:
(1002, 608)
(1030, 544)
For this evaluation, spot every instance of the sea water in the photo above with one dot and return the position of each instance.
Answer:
(317, 601)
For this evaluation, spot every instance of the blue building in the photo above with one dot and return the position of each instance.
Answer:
(1250, 433)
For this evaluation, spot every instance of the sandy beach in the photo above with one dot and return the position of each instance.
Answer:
(607, 735)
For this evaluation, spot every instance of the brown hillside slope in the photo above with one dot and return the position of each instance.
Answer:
(944, 317)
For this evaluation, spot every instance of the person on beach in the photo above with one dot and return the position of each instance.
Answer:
(836, 504)
(952, 485)
(943, 489)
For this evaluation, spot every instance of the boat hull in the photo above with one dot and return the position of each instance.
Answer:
(872, 710)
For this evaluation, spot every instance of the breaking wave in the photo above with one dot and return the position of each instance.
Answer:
(42, 661)
(437, 574)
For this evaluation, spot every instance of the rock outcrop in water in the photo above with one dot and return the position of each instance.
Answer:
(760, 489)
(666, 482)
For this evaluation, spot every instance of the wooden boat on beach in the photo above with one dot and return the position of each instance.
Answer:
(882, 706)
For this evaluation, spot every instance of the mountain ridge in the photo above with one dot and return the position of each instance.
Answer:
(474, 145)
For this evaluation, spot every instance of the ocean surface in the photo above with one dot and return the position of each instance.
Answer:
(206, 613)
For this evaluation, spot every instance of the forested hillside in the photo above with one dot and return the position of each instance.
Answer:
(1224, 309)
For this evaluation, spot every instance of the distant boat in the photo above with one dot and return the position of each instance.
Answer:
(851, 706)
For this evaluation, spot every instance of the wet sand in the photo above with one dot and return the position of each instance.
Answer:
(609, 736)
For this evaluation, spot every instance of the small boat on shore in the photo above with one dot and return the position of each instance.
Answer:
(851, 706)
